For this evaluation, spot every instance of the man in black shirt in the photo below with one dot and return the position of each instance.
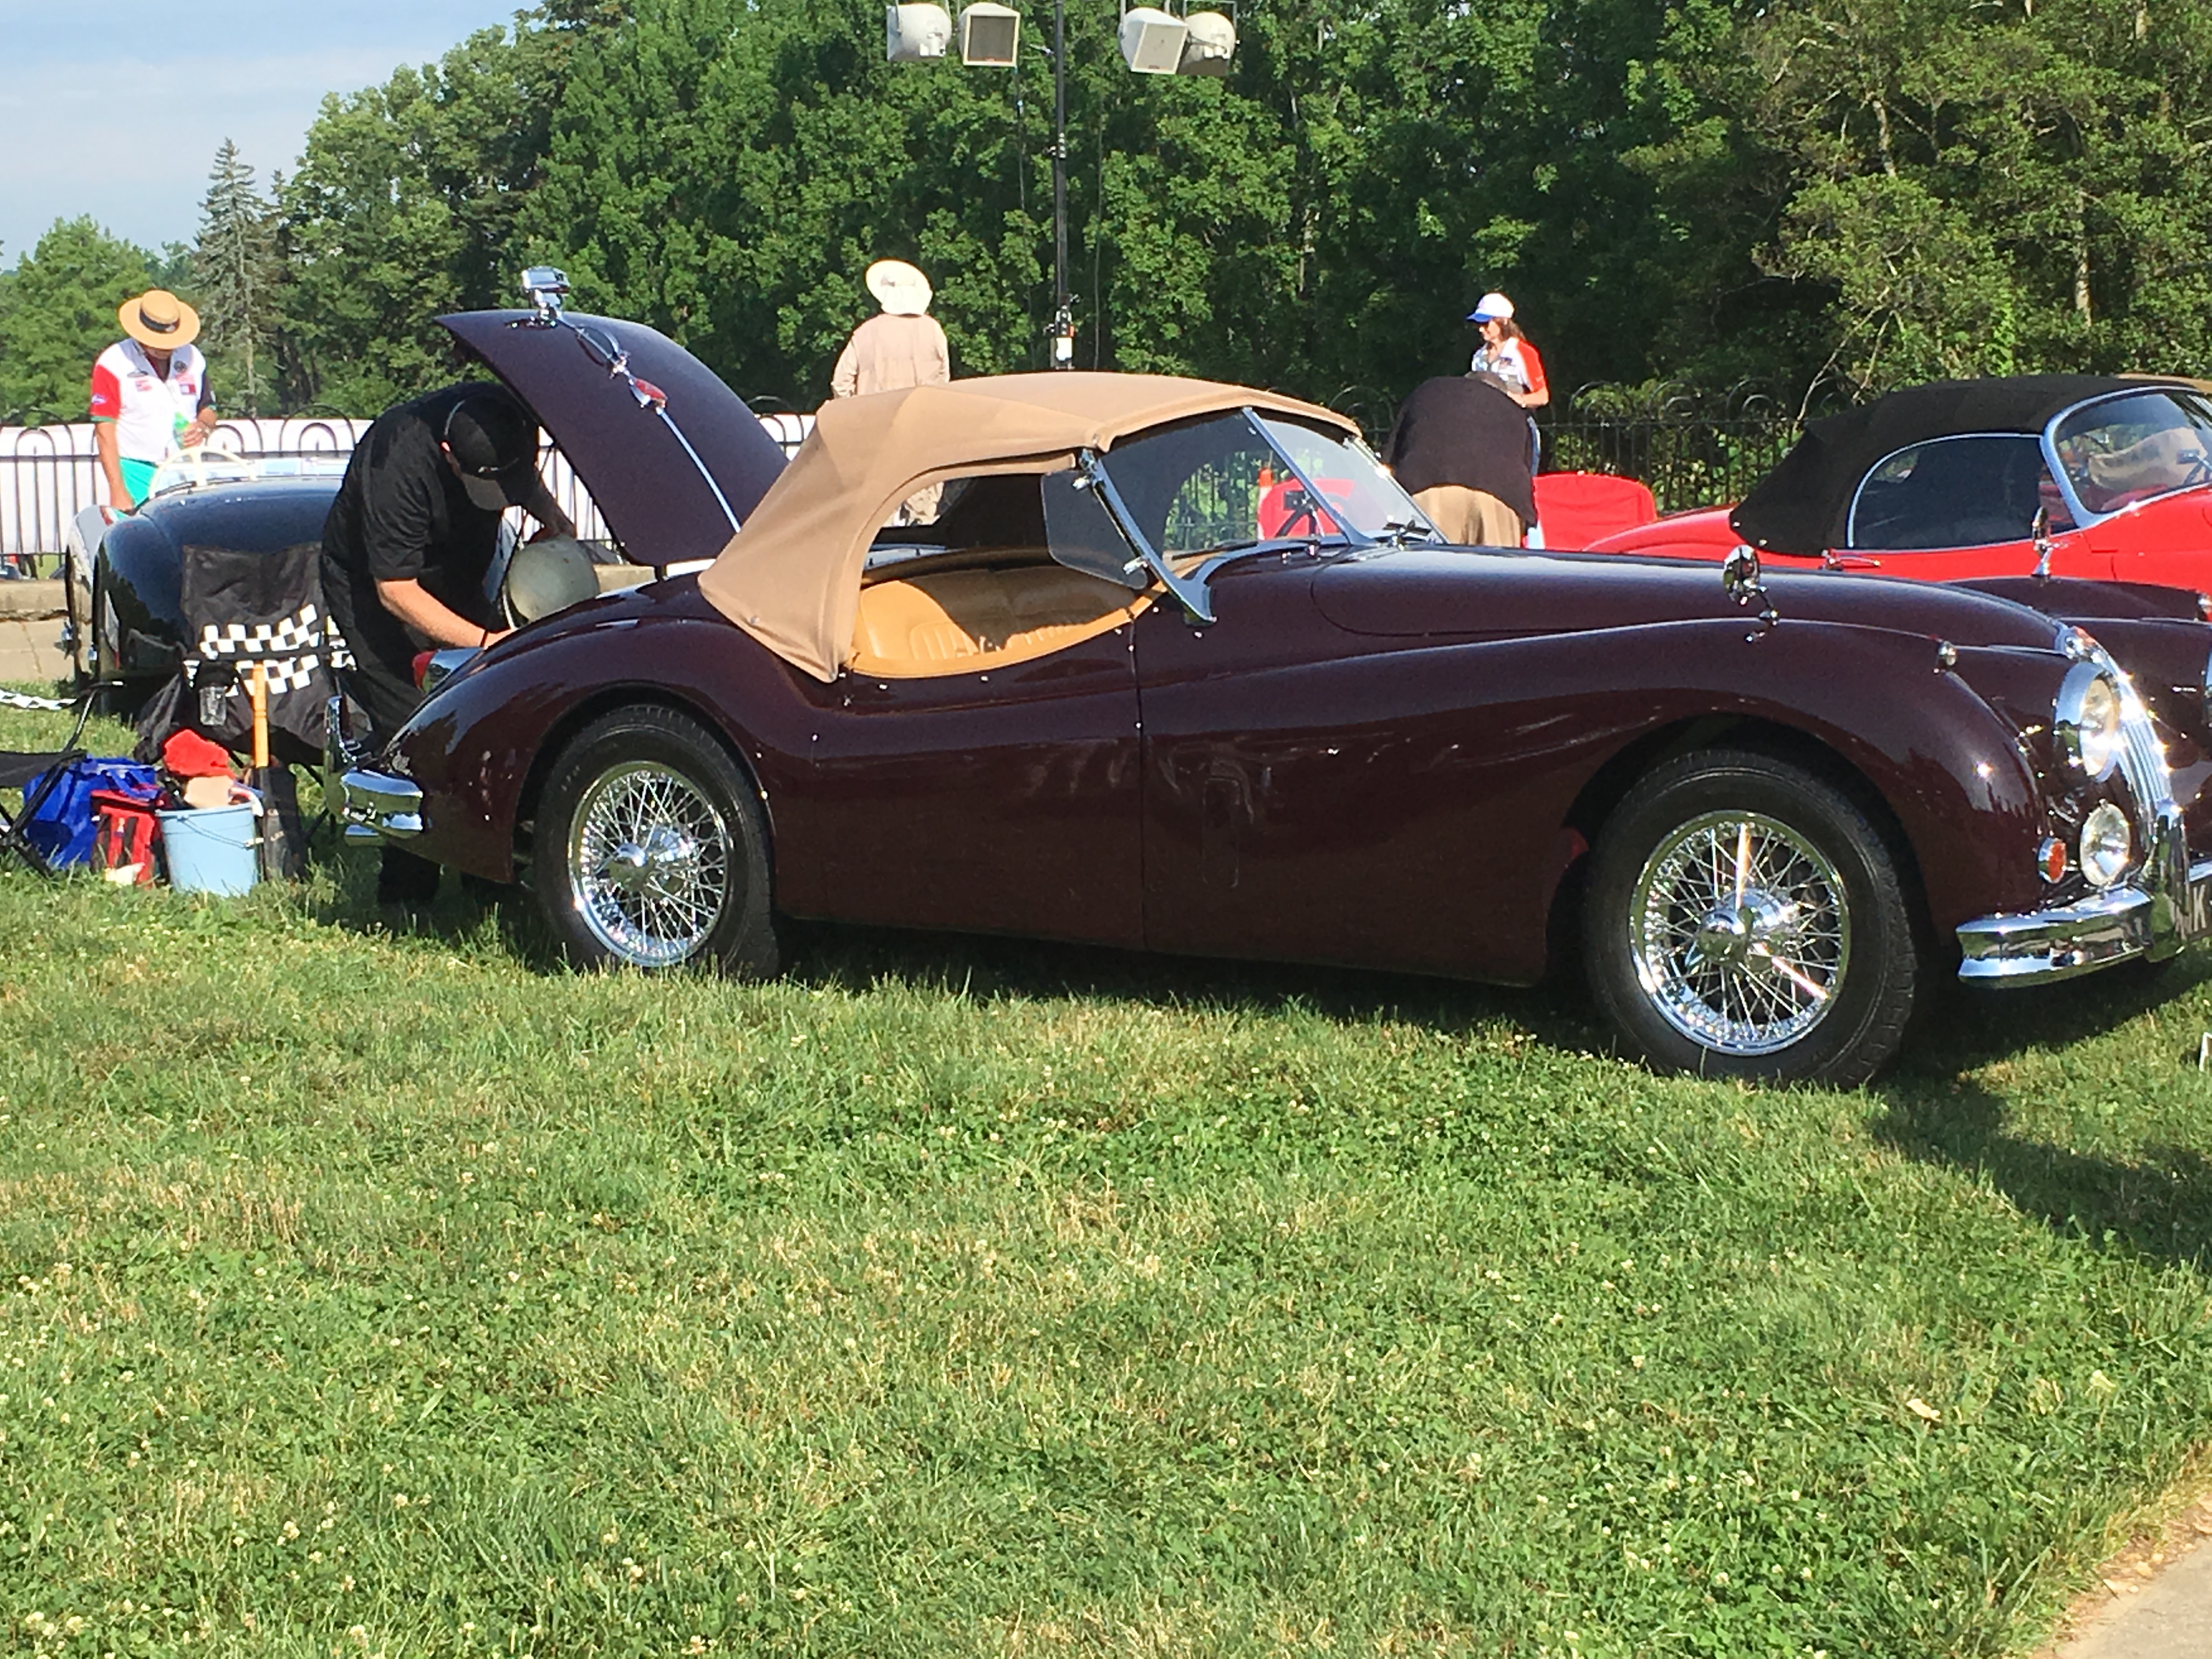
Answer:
(409, 542)
(413, 532)
(1460, 450)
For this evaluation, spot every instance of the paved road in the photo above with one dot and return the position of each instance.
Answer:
(30, 624)
(2169, 1617)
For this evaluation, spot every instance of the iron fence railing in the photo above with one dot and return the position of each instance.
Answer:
(1695, 446)
(49, 474)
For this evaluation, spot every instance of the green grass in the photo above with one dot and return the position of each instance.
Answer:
(387, 1291)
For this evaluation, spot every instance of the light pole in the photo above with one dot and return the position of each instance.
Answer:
(1063, 302)
(1154, 42)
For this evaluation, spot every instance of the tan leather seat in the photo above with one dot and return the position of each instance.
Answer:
(958, 621)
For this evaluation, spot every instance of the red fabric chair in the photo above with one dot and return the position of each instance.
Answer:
(1577, 508)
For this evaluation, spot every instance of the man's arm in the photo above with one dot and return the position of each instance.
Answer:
(110, 465)
(422, 610)
(551, 520)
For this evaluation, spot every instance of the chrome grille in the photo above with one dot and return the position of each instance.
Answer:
(2142, 756)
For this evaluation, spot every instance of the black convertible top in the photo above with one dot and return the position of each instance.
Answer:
(1799, 506)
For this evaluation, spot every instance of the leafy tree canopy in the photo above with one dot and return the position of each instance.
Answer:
(58, 313)
(1863, 192)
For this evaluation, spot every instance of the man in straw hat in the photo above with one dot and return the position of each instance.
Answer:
(150, 396)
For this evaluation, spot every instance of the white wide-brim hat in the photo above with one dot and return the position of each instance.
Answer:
(899, 288)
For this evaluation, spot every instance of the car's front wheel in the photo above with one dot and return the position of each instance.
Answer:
(652, 848)
(1745, 919)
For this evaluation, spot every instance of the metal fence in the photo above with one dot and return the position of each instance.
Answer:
(1695, 446)
(1692, 447)
(49, 474)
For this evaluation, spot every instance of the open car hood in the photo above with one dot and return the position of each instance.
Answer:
(674, 459)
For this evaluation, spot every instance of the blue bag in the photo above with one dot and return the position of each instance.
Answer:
(66, 825)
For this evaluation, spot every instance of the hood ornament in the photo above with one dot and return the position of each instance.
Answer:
(2040, 530)
(1740, 581)
(546, 287)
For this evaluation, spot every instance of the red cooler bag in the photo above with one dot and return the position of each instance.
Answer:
(125, 836)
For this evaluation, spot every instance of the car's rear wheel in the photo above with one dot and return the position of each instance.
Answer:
(652, 848)
(1745, 919)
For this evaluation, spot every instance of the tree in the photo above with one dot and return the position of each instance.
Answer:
(58, 313)
(403, 207)
(235, 261)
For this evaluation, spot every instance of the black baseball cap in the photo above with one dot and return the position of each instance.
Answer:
(494, 441)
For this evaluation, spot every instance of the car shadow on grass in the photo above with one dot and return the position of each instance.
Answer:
(855, 958)
(1958, 1031)
(2157, 1205)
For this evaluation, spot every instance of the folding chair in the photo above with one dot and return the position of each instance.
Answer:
(20, 769)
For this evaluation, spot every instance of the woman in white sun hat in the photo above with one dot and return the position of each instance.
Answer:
(902, 346)
(1506, 353)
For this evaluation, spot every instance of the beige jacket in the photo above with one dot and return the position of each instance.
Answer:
(889, 354)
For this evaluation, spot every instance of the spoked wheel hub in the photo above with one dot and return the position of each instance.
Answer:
(649, 863)
(1740, 932)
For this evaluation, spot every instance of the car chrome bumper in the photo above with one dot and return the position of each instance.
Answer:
(2168, 907)
(371, 804)
(386, 805)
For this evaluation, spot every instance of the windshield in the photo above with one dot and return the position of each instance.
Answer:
(1233, 479)
(2118, 451)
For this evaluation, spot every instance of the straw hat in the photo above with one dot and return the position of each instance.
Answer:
(899, 288)
(159, 319)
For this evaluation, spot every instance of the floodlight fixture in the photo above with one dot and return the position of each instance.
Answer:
(915, 32)
(990, 35)
(1210, 44)
(1152, 40)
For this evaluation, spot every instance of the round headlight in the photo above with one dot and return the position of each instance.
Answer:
(2107, 842)
(2087, 719)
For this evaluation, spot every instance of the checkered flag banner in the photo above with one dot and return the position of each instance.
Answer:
(291, 649)
(18, 700)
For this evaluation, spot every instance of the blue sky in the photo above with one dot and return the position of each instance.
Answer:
(115, 108)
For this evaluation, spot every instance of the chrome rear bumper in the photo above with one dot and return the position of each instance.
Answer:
(2168, 907)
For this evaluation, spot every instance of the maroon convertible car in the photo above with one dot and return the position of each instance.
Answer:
(1071, 691)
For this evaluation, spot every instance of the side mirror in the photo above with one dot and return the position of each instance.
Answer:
(2040, 531)
(1739, 581)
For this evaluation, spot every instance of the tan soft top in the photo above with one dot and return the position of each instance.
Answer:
(791, 577)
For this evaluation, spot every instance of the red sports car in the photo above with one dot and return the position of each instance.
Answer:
(2064, 475)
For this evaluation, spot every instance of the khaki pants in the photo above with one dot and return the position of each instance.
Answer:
(1471, 518)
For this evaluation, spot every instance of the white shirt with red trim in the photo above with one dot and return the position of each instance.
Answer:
(149, 413)
(1514, 361)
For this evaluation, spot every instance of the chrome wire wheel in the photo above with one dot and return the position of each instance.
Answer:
(1740, 932)
(649, 863)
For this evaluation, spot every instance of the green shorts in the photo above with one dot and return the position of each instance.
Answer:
(137, 476)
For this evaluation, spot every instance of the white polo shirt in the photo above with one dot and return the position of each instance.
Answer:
(149, 412)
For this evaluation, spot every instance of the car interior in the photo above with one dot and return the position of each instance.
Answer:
(977, 586)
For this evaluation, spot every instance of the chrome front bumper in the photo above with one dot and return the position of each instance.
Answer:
(2168, 906)
(386, 806)
(371, 804)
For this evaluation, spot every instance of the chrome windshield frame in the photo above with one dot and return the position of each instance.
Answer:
(2083, 518)
(1191, 590)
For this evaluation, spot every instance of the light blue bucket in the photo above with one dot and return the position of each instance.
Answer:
(212, 849)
